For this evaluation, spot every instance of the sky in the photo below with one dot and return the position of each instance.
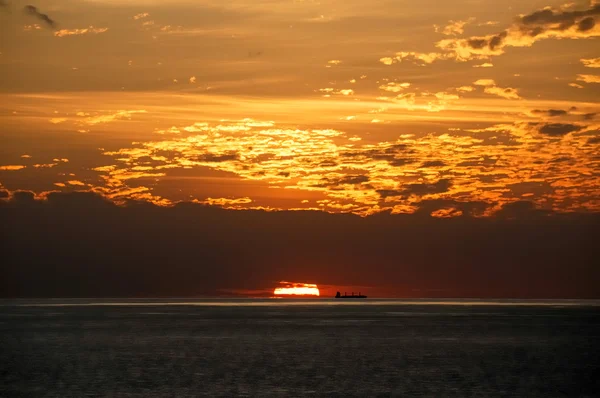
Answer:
(454, 110)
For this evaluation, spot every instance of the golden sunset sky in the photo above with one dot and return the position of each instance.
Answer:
(340, 105)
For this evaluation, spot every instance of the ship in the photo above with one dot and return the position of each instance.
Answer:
(345, 296)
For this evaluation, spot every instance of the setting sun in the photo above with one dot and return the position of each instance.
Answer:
(296, 289)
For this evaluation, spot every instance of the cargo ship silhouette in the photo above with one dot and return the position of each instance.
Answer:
(345, 296)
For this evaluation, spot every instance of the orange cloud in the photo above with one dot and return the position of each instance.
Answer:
(539, 25)
(588, 78)
(591, 62)
(77, 32)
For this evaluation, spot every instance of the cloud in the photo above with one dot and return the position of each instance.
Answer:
(433, 163)
(484, 65)
(425, 58)
(539, 25)
(453, 28)
(118, 115)
(226, 202)
(329, 90)
(76, 182)
(12, 167)
(350, 179)
(591, 62)
(247, 249)
(425, 189)
(78, 32)
(558, 129)
(394, 87)
(362, 177)
(33, 11)
(485, 82)
(508, 93)
(550, 112)
(141, 15)
(571, 112)
(491, 88)
(465, 89)
(420, 189)
(588, 78)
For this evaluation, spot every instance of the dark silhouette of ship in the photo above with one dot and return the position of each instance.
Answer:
(345, 296)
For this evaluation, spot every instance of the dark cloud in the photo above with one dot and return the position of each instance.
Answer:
(477, 43)
(23, 197)
(521, 210)
(353, 179)
(561, 112)
(395, 155)
(389, 193)
(32, 10)
(589, 116)
(4, 194)
(497, 40)
(217, 157)
(562, 159)
(586, 24)
(594, 140)
(550, 112)
(558, 129)
(483, 161)
(548, 16)
(416, 189)
(426, 189)
(80, 245)
(535, 24)
(433, 163)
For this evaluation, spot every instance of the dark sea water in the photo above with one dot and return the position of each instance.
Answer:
(262, 348)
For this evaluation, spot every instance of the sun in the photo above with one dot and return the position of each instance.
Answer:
(296, 289)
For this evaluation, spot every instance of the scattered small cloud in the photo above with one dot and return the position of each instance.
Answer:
(141, 15)
(76, 183)
(394, 87)
(453, 28)
(423, 58)
(35, 26)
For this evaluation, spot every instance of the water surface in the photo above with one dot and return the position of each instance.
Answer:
(282, 347)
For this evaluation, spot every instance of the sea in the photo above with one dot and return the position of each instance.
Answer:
(295, 348)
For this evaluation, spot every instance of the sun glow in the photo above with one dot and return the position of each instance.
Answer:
(296, 289)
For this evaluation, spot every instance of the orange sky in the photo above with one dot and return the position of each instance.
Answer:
(343, 106)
